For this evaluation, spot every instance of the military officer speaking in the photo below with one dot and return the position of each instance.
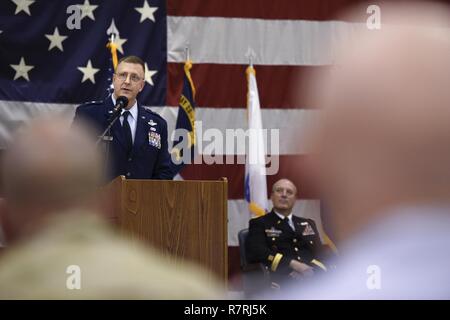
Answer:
(138, 149)
(288, 245)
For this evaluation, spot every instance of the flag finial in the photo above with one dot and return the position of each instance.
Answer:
(250, 55)
(112, 31)
(187, 52)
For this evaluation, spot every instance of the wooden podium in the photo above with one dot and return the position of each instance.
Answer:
(184, 219)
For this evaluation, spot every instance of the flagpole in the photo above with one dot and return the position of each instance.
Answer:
(106, 136)
(113, 32)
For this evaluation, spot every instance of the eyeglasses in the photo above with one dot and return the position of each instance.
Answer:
(123, 76)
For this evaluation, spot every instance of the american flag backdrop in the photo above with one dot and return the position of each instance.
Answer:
(47, 67)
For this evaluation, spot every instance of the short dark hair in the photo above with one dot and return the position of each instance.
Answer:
(133, 59)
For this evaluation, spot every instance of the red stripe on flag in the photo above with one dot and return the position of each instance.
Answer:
(225, 85)
(291, 167)
(264, 9)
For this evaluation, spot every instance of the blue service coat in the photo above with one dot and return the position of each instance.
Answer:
(149, 158)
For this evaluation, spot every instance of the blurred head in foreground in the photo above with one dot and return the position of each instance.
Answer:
(58, 247)
(380, 157)
(48, 169)
(384, 137)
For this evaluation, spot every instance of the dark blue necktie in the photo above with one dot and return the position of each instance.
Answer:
(127, 132)
(286, 219)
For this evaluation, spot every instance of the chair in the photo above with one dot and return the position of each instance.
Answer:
(255, 276)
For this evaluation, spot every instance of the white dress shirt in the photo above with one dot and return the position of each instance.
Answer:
(291, 223)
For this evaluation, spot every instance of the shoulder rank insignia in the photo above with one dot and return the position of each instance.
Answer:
(308, 231)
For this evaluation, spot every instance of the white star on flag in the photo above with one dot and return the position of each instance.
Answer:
(147, 12)
(55, 40)
(21, 69)
(23, 5)
(149, 74)
(87, 10)
(119, 43)
(88, 72)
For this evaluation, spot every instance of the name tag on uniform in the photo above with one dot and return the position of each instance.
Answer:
(154, 139)
(273, 232)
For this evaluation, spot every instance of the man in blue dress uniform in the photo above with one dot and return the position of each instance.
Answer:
(138, 149)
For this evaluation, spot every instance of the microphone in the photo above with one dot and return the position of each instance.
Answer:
(121, 103)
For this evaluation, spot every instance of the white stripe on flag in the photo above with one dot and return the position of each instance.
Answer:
(291, 123)
(275, 42)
